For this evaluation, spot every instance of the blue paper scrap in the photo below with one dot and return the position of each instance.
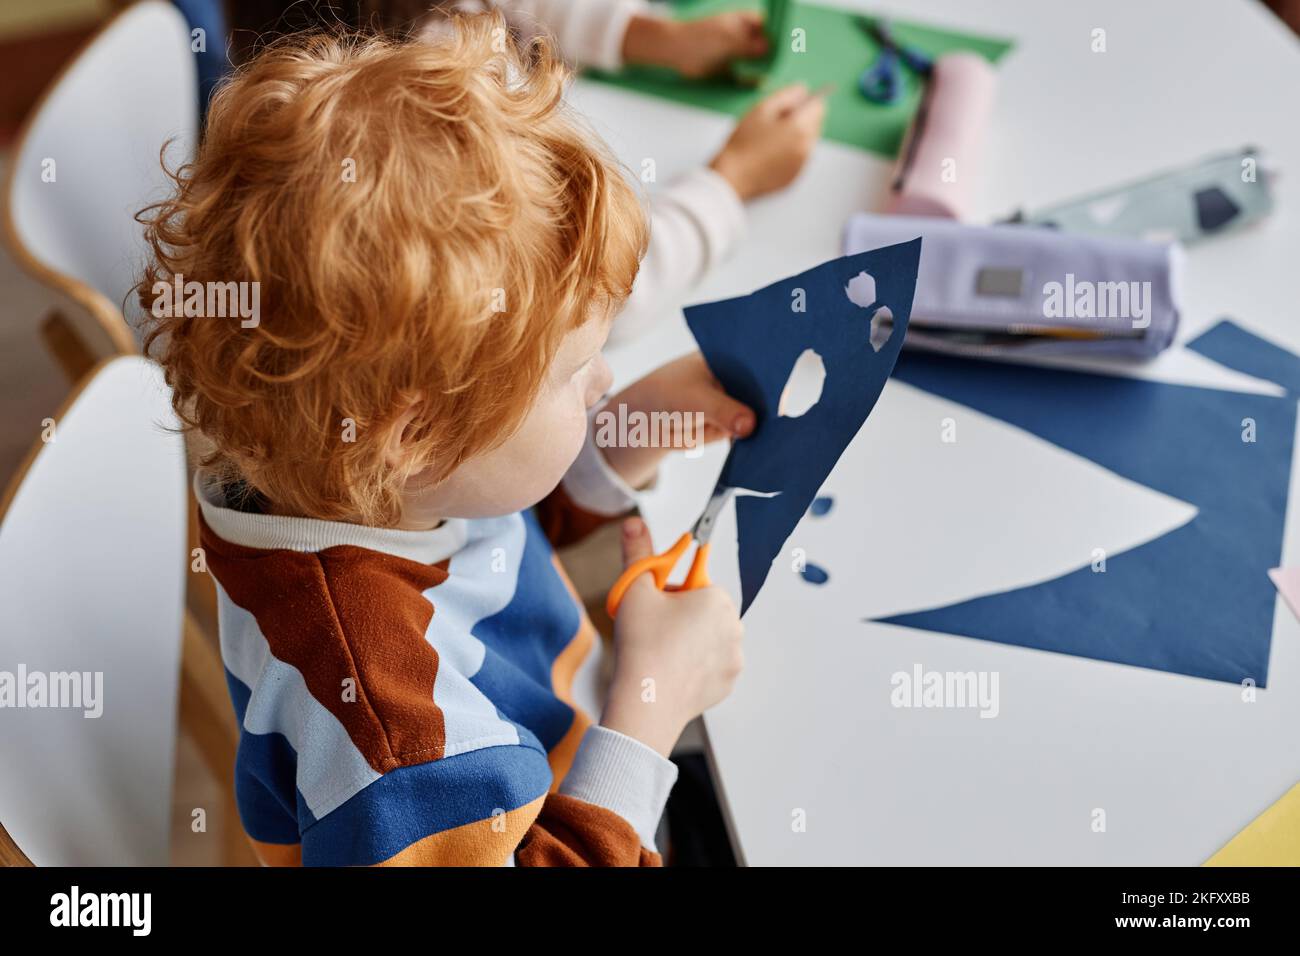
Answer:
(1196, 600)
(751, 344)
(814, 573)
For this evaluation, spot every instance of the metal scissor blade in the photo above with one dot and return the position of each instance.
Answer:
(703, 529)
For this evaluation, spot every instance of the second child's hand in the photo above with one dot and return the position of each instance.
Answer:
(695, 48)
(772, 142)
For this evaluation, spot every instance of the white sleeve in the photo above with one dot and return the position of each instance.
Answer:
(587, 32)
(694, 224)
(621, 774)
(590, 482)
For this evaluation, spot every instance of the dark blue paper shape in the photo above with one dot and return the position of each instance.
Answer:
(1233, 347)
(1214, 209)
(821, 506)
(1194, 601)
(751, 344)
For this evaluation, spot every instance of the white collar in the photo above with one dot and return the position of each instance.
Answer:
(281, 533)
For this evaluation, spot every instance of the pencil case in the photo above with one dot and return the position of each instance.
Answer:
(1217, 194)
(999, 291)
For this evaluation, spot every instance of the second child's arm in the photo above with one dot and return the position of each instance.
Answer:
(608, 34)
(698, 219)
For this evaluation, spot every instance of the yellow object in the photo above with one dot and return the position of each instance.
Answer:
(1271, 839)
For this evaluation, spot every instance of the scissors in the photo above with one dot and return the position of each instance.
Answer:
(661, 565)
(882, 81)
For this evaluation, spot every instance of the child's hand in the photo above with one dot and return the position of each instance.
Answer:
(695, 48)
(771, 143)
(676, 653)
(698, 412)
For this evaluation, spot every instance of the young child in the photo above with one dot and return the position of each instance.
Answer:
(697, 219)
(440, 249)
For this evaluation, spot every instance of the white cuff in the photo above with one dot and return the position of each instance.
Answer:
(592, 31)
(592, 484)
(714, 204)
(614, 771)
(695, 223)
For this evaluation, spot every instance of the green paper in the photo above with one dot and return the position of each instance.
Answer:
(837, 50)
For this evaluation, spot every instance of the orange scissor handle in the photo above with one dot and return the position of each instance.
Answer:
(698, 576)
(659, 566)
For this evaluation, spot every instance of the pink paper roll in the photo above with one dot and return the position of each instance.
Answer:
(938, 168)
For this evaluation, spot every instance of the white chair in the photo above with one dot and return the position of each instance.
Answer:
(88, 160)
(93, 563)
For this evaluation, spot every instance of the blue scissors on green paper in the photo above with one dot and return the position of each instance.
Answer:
(882, 81)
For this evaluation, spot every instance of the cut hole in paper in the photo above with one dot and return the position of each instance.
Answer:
(803, 389)
(861, 290)
(882, 327)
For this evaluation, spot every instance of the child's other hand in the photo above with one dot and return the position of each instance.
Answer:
(698, 412)
(676, 653)
(771, 143)
(695, 48)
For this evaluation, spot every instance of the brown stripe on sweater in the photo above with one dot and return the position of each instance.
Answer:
(348, 613)
(563, 521)
(571, 832)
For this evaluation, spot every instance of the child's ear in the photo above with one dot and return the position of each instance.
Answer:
(397, 447)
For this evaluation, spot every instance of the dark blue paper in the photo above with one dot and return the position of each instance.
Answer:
(821, 506)
(815, 573)
(1194, 601)
(1233, 347)
(751, 344)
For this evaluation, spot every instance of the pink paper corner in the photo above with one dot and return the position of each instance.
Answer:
(1287, 582)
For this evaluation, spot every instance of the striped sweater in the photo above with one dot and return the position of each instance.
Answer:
(412, 697)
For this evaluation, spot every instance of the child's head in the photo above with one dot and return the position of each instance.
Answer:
(439, 248)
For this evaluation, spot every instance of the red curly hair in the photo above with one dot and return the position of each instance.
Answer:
(390, 198)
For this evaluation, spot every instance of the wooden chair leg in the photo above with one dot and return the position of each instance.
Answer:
(10, 854)
(235, 848)
(66, 344)
(201, 593)
(206, 715)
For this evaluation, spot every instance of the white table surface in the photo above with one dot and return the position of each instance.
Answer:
(1178, 764)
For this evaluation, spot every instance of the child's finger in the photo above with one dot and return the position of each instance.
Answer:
(636, 541)
(755, 37)
(728, 415)
(810, 114)
(784, 100)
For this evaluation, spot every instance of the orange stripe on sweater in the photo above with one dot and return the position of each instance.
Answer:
(277, 854)
(487, 842)
(563, 669)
